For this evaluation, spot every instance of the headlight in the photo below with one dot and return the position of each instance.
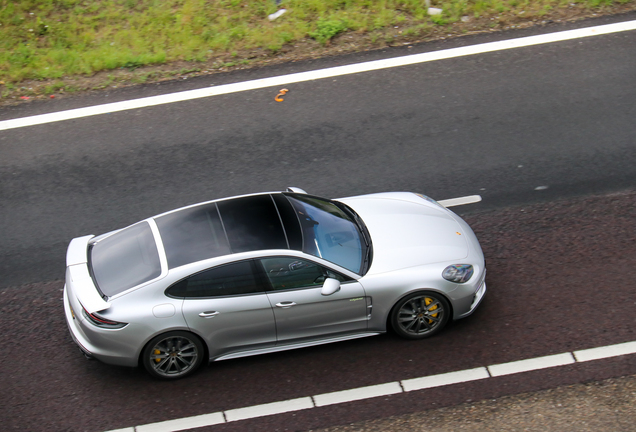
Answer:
(458, 273)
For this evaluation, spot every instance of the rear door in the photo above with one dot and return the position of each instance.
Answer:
(301, 311)
(227, 306)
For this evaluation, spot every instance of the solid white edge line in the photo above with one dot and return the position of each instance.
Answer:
(605, 352)
(269, 409)
(319, 74)
(460, 201)
(357, 394)
(445, 379)
(408, 385)
(531, 364)
(183, 423)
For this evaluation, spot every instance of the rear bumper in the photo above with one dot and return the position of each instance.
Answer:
(72, 327)
(75, 327)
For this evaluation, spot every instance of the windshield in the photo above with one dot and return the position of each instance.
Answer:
(328, 232)
(125, 259)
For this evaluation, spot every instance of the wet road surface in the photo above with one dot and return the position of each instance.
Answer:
(560, 278)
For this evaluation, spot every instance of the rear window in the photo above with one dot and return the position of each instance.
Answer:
(125, 259)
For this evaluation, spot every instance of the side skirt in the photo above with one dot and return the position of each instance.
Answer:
(292, 346)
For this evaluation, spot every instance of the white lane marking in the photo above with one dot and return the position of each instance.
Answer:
(531, 364)
(605, 352)
(460, 201)
(408, 385)
(183, 423)
(319, 74)
(269, 409)
(445, 379)
(357, 394)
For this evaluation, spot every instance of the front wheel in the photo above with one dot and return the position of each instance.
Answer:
(173, 355)
(420, 315)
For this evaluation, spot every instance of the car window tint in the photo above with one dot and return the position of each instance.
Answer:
(125, 259)
(226, 280)
(290, 221)
(286, 273)
(192, 234)
(252, 223)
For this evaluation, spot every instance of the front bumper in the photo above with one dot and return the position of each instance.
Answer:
(476, 298)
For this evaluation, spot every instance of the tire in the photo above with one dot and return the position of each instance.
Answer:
(173, 355)
(420, 315)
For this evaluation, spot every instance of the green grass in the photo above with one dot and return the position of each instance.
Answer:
(49, 40)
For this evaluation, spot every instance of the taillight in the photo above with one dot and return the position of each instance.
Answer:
(101, 321)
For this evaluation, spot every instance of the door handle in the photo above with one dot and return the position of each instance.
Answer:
(210, 314)
(286, 304)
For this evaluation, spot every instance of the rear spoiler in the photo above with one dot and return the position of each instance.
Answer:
(78, 278)
(77, 252)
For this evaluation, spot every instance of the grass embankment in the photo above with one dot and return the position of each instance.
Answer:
(48, 46)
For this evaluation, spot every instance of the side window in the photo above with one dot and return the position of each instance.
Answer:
(286, 273)
(226, 280)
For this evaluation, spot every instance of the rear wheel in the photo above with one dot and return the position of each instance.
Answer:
(173, 355)
(420, 315)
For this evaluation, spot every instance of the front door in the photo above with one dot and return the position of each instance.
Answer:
(301, 311)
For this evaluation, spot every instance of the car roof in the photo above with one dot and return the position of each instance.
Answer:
(226, 226)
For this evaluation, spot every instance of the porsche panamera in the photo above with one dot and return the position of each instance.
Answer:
(268, 272)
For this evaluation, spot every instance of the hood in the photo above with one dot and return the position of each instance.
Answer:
(408, 231)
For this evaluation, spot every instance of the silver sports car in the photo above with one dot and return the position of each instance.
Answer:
(269, 272)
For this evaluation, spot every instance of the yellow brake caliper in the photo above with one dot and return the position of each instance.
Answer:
(157, 352)
(428, 301)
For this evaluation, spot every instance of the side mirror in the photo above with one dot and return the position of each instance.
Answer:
(330, 286)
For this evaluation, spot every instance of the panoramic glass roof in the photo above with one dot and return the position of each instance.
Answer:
(215, 229)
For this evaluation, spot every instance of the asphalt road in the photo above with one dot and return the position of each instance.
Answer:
(500, 124)
(560, 278)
